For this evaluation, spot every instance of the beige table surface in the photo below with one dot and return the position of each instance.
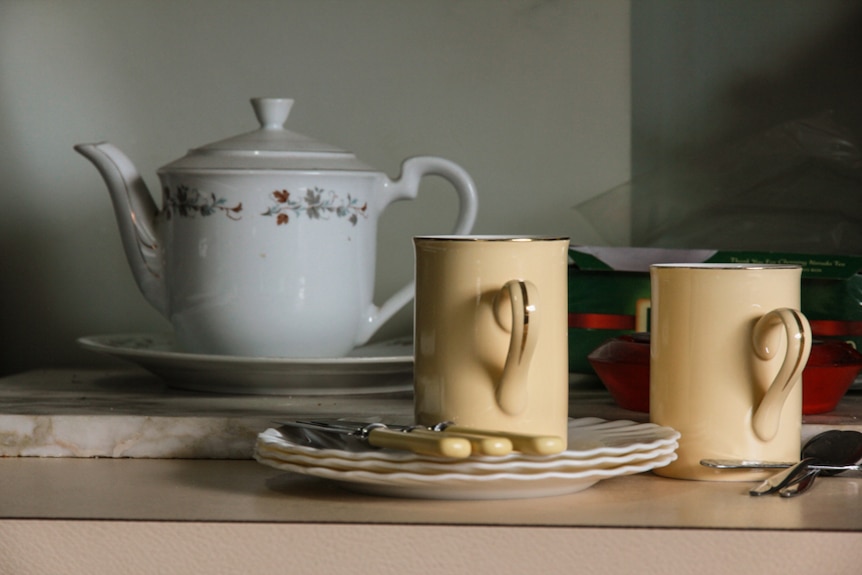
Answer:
(113, 515)
(196, 516)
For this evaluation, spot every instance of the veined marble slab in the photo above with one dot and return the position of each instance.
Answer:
(132, 413)
(127, 436)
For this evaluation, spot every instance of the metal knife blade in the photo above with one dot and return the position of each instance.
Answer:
(481, 444)
(380, 435)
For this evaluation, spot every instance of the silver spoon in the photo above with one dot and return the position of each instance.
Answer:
(781, 479)
(834, 448)
(801, 484)
(754, 464)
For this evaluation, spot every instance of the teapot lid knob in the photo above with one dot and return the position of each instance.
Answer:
(271, 112)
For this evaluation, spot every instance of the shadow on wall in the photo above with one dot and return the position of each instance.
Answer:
(20, 299)
(37, 307)
(739, 107)
(823, 74)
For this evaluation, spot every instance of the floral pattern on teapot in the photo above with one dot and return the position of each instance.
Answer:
(315, 206)
(188, 202)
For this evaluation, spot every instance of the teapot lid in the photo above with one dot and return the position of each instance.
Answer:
(270, 147)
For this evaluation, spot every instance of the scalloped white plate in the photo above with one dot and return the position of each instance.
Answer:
(269, 451)
(597, 449)
(469, 486)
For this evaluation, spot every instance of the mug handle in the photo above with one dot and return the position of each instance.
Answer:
(764, 338)
(522, 297)
(406, 187)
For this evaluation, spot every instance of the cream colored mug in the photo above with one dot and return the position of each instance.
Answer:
(491, 347)
(727, 348)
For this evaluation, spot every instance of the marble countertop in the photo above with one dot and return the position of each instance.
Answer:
(130, 413)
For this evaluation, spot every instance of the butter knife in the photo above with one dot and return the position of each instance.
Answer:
(490, 443)
(421, 442)
(487, 441)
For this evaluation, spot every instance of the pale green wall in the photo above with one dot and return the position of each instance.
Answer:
(531, 97)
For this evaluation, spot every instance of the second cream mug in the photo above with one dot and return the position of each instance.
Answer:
(727, 348)
(491, 339)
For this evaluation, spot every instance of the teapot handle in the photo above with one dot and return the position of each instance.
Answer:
(406, 187)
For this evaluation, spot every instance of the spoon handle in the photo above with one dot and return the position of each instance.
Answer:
(751, 464)
(781, 479)
(801, 484)
(836, 468)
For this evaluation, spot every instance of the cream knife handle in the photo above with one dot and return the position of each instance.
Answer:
(421, 443)
(525, 443)
(481, 444)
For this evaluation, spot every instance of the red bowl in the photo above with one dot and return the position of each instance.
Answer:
(831, 369)
(622, 363)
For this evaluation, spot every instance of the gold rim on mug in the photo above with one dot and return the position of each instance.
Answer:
(727, 266)
(492, 238)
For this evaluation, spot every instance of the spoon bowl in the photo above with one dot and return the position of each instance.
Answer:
(834, 447)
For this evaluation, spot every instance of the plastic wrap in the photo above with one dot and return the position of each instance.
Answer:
(795, 187)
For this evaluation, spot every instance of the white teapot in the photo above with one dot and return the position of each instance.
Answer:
(265, 244)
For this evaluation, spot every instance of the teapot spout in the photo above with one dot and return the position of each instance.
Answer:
(135, 211)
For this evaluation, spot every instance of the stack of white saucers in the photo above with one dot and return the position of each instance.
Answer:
(597, 449)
